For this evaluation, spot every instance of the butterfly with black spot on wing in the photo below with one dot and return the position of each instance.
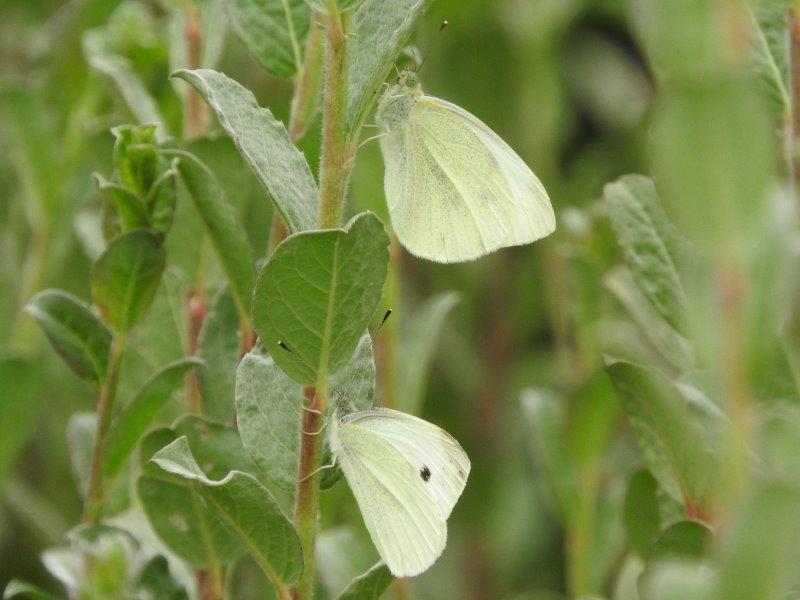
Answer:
(406, 475)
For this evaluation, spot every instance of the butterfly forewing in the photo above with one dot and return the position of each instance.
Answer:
(437, 458)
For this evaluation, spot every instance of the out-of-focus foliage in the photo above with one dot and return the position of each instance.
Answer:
(626, 389)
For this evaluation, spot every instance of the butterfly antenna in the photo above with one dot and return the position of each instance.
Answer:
(396, 70)
(443, 25)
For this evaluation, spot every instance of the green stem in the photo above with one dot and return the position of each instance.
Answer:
(105, 407)
(337, 154)
(306, 507)
(334, 173)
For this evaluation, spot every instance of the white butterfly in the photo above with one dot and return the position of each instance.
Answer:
(406, 475)
(455, 190)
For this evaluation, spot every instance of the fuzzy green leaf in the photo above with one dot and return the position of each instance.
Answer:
(130, 208)
(120, 70)
(684, 539)
(264, 143)
(269, 406)
(273, 31)
(126, 276)
(174, 509)
(770, 51)
(380, 30)
(218, 345)
(369, 586)
(417, 346)
(316, 295)
(20, 589)
(75, 332)
(131, 424)
(672, 346)
(247, 508)
(681, 432)
(643, 233)
(642, 521)
(228, 237)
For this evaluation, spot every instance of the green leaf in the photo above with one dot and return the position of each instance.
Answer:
(81, 436)
(770, 51)
(417, 347)
(545, 415)
(20, 406)
(680, 432)
(161, 197)
(20, 589)
(74, 331)
(247, 508)
(642, 520)
(218, 345)
(131, 424)
(130, 208)
(126, 276)
(369, 586)
(265, 145)
(156, 581)
(673, 347)
(643, 233)
(174, 509)
(228, 237)
(687, 539)
(141, 104)
(269, 408)
(380, 30)
(273, 31)
(317, 293)
(764, 549)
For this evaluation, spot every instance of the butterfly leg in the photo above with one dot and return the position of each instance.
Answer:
(330, 466)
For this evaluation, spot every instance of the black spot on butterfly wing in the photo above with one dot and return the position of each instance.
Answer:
(425, 473)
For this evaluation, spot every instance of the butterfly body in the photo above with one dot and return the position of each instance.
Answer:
(455, 190)
(406, 475)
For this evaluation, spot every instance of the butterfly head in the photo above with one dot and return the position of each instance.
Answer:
(398, 101)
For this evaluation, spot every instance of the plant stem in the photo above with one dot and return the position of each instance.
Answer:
(334, 173)
(95, 495)
(306, 506)
(337, 154)
(195, 110)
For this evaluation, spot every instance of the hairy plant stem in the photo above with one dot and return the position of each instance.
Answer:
(337, 153)
(306, 503)
(95, 494)
(334, 173)
(195, 110)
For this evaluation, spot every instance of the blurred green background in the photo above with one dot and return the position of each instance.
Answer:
(517, 375)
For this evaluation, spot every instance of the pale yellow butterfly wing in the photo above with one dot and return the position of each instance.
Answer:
(455, 190)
